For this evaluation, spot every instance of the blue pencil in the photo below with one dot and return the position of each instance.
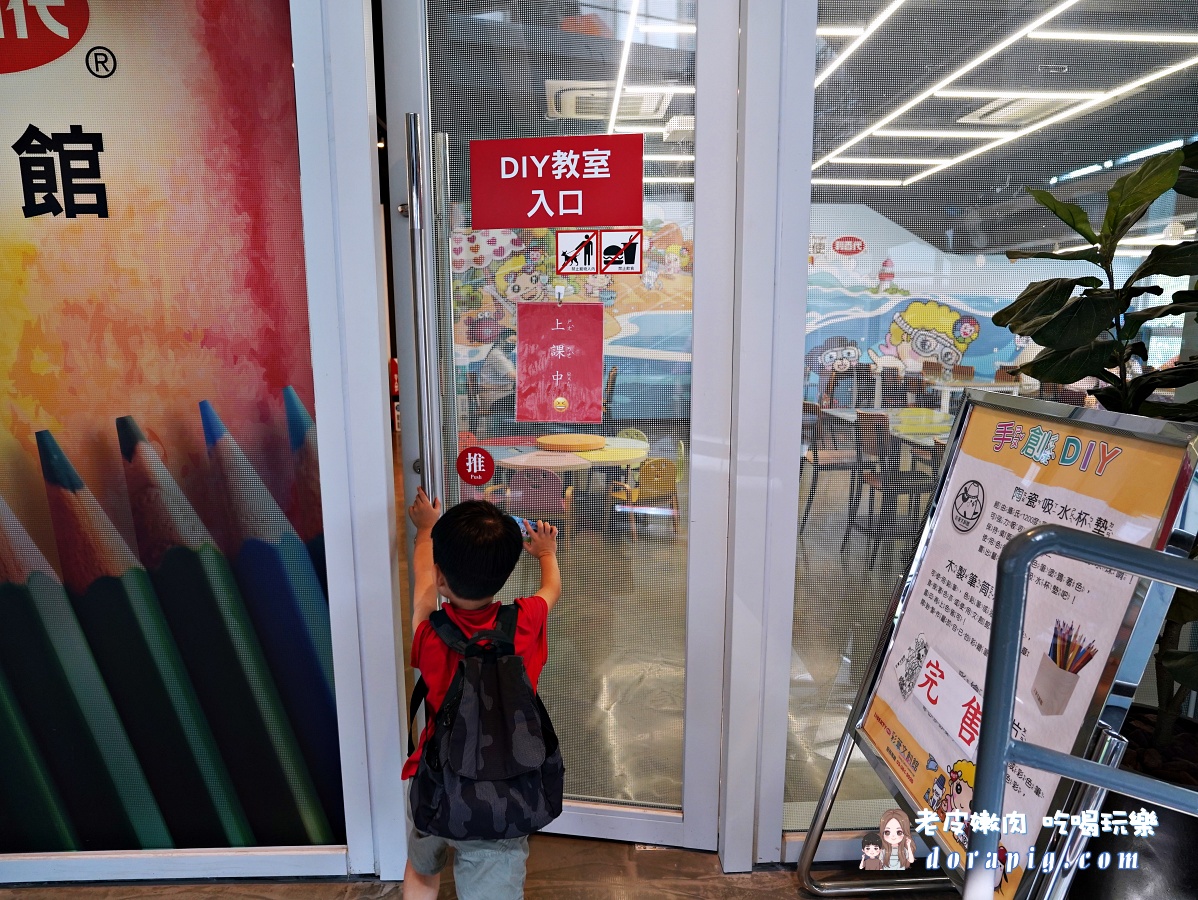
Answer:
(303, 507)
(283, 595)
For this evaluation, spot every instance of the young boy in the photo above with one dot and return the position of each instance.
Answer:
(466, 556)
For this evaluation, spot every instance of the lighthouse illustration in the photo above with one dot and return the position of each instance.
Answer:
(886, 274)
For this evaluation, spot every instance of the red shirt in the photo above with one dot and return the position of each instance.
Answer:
(437, 663)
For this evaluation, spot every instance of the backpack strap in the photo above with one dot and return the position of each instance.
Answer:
(448, 632)
(505, 621)
(419, 695)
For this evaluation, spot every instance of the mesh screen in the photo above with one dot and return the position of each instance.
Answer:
(614, 681)
(930, 119)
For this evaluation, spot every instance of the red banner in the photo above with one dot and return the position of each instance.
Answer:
(559, 362)
(557, 182)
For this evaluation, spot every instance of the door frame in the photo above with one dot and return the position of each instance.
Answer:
(717, 81)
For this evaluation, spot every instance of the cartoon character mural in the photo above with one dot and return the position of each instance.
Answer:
(836, 356)
(897, 846)
(925, 331)
(871, 852)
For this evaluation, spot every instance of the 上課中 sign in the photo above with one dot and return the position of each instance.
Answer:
(557, 182)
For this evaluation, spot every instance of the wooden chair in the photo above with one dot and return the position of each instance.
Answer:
(932, 369)
(963, 373)
(540, 494)
(918, 394)
(609, 390)
(1006, 375)
(822, 453)
(657, 484)
(634, 434)
(878, 470)
(894, 394)
(473, 410)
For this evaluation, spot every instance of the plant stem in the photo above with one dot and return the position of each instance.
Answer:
(1167, 691)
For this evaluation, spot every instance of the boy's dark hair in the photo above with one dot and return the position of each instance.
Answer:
(873, 839)
(476, 546)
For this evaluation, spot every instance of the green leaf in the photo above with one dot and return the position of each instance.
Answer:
(1079, 321)
(1173, 412)
(1130, 196)
(1040, 298)
(1173, 260)
(1182, 665)
(1110, 397)
(1187, 183)
(1142, 387)
(1190, 160)
(1139, 348)
(1068, 366)
(1089, 254)
(1184, 607)
(1069, 213)
(1134, 321)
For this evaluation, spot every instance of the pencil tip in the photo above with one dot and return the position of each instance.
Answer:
(56, 468)
(129, 435)
(298, 420)
(214, 428)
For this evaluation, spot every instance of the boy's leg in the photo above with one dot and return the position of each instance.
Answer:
(420, 887)
(490, 870)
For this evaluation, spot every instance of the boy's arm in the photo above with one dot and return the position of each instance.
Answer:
(424, 593)
(542, 543)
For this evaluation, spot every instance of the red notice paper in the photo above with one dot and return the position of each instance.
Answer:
(559, 362)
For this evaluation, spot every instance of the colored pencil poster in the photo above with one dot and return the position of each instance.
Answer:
(1012, 471)
(151, 259)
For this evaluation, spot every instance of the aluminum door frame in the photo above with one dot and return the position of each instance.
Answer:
(717, 81)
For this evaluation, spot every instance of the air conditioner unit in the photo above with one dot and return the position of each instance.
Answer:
(592, 100)
(1016, 112)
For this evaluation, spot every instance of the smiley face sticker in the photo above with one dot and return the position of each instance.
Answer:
(561, 404)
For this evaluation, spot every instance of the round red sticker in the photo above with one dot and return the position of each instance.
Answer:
(475, 466)
(34, 34)
(848, 245)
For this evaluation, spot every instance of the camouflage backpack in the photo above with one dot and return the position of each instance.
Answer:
(491, 768)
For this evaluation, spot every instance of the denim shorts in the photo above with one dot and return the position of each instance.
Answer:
(482, 870)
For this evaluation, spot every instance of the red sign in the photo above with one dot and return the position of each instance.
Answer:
(36, 32)
(559, 362)
(393, 375)
(848, 245)
(475, 466)
(557, 182)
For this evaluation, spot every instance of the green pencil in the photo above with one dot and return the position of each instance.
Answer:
(216, 638)
(129, 637)
(60, 691)
(32, 815)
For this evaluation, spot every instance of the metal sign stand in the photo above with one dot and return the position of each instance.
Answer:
(1092, 773)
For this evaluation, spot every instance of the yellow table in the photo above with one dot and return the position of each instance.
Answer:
(571, 443)
(618, 452)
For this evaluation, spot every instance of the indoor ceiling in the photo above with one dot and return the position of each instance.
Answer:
(938, 113)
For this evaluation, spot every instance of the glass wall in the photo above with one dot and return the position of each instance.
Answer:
(165, 659)
(931, 119)
(617, 485)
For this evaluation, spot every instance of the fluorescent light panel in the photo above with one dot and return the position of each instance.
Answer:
(840, 30)
(672, 179)
(633, 11)
(1069, 113)
(885, 161)
(860, 39)
(945, 82)
(1114, 37)
(1018, 95)
(637, 129)
(860, 182)
(1152, 151)
(935, 133)
(669, 157)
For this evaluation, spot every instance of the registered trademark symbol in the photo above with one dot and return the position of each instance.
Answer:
(101, 62)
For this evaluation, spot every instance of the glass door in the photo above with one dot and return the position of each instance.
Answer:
(632, 711)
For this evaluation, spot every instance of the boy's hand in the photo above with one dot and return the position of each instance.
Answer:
(423, 513)
(542, 539)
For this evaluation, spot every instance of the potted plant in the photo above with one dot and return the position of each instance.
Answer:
(1088, 328)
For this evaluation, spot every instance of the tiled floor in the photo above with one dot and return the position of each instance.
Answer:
(559, 869)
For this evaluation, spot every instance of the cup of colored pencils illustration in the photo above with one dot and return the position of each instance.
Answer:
(1055, 680)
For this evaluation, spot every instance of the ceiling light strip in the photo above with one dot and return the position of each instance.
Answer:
(669, 179)
(669, 157)
(659, 89)
(633, 11)
(1018, 95)
(1114, 37)
(945, 82)
(839, 30)
(860, 182)
(939, 133)
(1061, 116)
(884, 161)
(860, 39)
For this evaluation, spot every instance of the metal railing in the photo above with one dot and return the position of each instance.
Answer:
(996, 747)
